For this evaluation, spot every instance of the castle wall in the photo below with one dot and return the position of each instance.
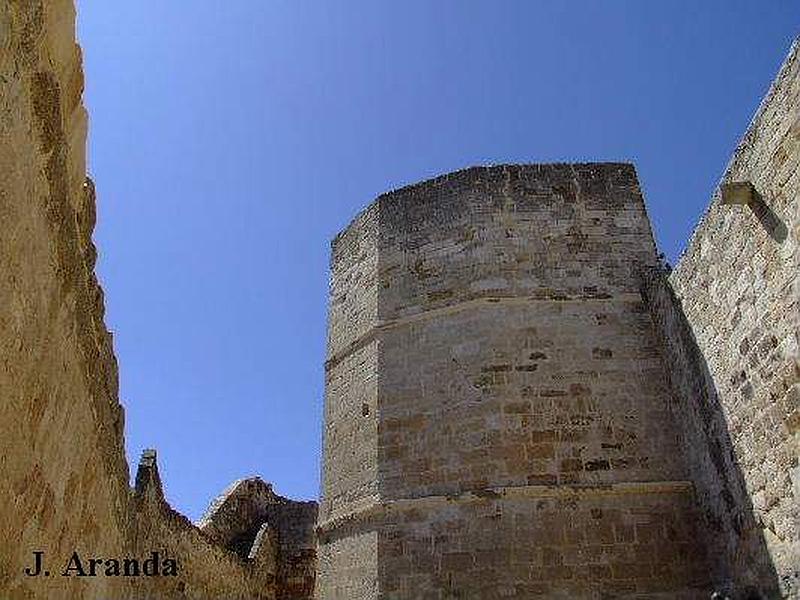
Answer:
(211, 564)
(632, 541)
(64, 479)
(499, 418)
(276, 536)
(348, 566)
(295, 524)
(251, 545)
(350, 431)
(514, 354)
(63, 474)
(734, 325)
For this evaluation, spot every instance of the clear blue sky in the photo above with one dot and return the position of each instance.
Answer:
(230, 140)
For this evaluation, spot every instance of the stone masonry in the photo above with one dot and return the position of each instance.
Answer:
(521, 399)
(498, 415)
(732, 326)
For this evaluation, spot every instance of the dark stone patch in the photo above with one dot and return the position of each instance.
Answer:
(496, 369)
(552, 393)
(597, 465)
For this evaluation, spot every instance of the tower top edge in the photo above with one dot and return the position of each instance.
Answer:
(475, 173)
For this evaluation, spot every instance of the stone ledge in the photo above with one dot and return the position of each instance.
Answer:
(482, 302)
(374, 512)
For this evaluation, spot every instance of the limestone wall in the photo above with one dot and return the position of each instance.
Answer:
(211, 563)
(737, 290)
(516, 347)
(517, 401)
(63, 475)
(515, 384)
(614, 542)
(736, 549)
(276, 536)
(350, 432)
(294, 524)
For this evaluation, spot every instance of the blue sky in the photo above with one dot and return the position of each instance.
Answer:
(230, 141)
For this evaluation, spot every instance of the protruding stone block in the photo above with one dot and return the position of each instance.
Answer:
(148, 481)
(738, 192)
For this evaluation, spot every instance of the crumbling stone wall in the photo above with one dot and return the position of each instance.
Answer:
(210, 563)
(263, 527)
(497, 409)
(63, 474)
(732, 338)
(518, 401)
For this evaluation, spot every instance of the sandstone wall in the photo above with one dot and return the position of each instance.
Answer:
(350, 431)
(63, 474)
(211, 563)
(251, 545)
(517, 349)
(510, 352)
(606, 542)
(733, 338)
(738, 559)
(276, 536)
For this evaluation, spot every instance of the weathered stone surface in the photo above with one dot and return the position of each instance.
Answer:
(519, 401)
(63, 474)
(487, 341)
(210, 567)
(494, 388)
(250, 519)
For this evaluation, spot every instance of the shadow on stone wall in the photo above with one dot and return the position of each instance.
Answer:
(771, 222)
(742, 568)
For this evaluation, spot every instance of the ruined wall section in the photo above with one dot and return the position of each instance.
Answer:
(294, 524)
(210, 565)
(737, 286)
(350, 431)
(275, 536)
(63, 475)
(234, 519)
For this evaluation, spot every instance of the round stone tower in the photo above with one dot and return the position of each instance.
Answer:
(497, 419)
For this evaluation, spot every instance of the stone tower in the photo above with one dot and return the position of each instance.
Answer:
(497, 419)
